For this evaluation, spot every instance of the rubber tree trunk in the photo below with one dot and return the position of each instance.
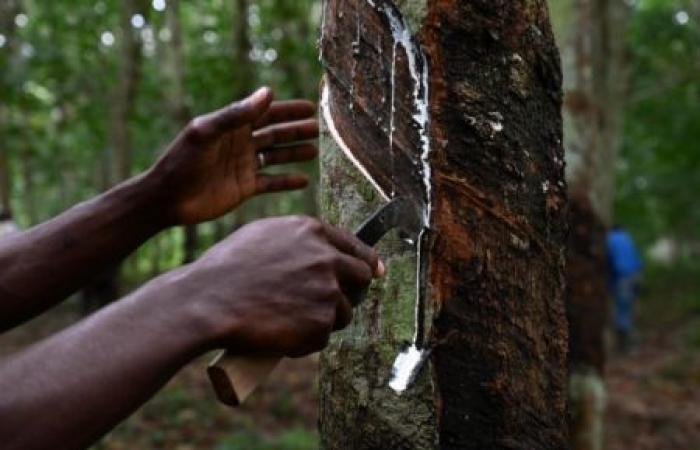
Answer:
(591, 34)
(455, 104)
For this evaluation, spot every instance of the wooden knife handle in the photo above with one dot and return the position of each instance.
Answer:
(234, 378)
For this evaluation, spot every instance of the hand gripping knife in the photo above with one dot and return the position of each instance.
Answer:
(235, 378)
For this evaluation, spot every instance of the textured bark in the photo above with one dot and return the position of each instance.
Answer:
(591, 33)
(496, 376)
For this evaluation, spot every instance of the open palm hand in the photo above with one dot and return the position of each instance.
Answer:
(214, 163)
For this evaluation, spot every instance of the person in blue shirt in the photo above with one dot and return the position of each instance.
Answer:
(625, 268)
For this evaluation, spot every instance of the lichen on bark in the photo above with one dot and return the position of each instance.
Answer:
(356, 365)
(414, 11)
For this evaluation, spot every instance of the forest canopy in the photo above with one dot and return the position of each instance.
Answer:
(61, 64)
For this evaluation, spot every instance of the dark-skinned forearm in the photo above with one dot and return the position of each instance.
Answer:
(70, 389)
(43, 265)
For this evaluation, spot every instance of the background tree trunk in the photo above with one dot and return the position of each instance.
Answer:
(8, 10)
(105, 288)
(494, 317)
(179, 108)
(591, 34)
(4, 179)
(28, 199)
(244, 75)
(129, 72)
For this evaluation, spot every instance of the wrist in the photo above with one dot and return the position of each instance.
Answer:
(177, 303)
(148, 194)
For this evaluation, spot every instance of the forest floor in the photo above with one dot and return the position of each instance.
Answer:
(653, 392)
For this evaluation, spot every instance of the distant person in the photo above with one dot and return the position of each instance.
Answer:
(625, 269)
(7, 225)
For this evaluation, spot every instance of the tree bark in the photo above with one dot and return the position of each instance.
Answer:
(484, 162)
(591, 33)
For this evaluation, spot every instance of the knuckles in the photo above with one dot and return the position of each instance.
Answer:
(196, 129)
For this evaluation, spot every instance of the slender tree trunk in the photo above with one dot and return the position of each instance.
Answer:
(105, 287)
(29, 199)
(243, 78)
(129, 74)
(179, 107)
(242, 45)
(4, 178)
(8, 10)
(454, 104)
(591, 33)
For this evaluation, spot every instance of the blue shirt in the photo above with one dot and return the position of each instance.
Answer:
(622, 254)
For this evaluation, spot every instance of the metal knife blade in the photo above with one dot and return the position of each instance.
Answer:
(398, 213)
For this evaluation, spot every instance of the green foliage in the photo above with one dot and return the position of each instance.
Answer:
(297, 439)
(659, 175)
(60, 67)
(669, 294)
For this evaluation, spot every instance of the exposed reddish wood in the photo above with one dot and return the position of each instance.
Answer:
(500, 372)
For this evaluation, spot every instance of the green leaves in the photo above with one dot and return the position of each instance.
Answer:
(660, 171)
(60, 68)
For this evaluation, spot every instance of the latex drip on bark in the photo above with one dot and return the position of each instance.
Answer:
(410, 359)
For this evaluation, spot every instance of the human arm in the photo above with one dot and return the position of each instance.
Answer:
(208, 170)
(276, 287)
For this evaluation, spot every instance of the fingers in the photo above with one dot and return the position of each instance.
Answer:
(276, 183)
(249, 110)
(286, 111)
(352, 273)
(348, 243)
(290, 154)
(354, 276)
(286, 133)
(343, 314)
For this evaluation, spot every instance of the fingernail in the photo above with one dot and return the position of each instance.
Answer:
(381, 270)
(261, 93)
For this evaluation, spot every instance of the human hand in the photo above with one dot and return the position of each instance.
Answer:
(212, 166)
(279, 287)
